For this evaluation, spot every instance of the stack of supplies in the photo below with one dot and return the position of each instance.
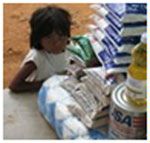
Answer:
(116, 30)
(92, 94)
(56, 104)
(77, 104)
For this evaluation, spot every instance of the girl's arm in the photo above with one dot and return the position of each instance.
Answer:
(19, 84)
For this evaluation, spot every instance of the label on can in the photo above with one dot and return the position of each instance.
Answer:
(125, 123)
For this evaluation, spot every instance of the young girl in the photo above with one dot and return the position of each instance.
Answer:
(50, 32)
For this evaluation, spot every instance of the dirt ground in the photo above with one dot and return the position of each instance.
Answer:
(16, 31)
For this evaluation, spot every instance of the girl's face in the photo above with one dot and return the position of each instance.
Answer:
(54, 43)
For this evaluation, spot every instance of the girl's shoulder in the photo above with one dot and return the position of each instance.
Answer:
(35, 53)
(36, 56)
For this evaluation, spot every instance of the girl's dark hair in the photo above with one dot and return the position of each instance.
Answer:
(46, 20)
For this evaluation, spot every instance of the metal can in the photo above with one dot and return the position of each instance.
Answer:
(127, 121)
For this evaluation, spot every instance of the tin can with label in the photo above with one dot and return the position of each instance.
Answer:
(127, 121)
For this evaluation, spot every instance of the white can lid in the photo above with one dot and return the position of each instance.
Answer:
(144, 38)
(119, 98)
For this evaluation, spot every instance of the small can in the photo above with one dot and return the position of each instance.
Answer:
(127, 121)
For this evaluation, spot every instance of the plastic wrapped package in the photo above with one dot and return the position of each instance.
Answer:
(90, 106)
(99, 77)
(116, 37)
(120, 55)
(129, 12)
(76, 49)
(85, 44)
(105, 58)
(95, 79)
(81, 47)
(124, 13)
(124, 29)
(117, 29)
(55, 104)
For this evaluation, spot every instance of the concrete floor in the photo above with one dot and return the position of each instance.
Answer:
(22, 119)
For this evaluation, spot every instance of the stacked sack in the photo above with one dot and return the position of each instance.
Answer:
(116, 30)
(56, 104)
(92, 94)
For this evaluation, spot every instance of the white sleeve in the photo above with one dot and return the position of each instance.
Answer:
(33, 56)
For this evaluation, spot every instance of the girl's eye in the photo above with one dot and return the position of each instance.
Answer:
(68, 42)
